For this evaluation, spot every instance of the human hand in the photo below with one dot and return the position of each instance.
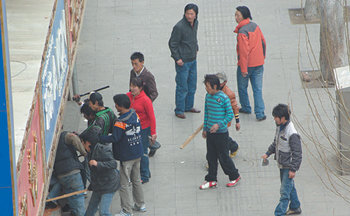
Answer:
(76, 98)
(238, 126)
(180, 62)
(204, 134)
(153, 138)
(244, 74)
(265, 156)
(93, 163)
(214, 128)
(291, 174)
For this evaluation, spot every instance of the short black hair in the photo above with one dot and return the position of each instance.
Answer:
(192, 6)
(244, 11)
(86, 109)
(137, 81)
(137, 55)
(122, 100)
(95, 96)
(281, 110)
(213, 80)
(91, 135)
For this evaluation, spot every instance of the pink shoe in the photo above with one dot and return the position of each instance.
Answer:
(207, 185)
(234, 182)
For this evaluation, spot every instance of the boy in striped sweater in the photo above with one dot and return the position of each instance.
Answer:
(217, 114)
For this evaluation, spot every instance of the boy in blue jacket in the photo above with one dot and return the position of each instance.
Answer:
(127, 147)
(105, 178)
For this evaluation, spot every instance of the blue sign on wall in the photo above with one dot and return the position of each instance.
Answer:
(8, 193)
(54, 74)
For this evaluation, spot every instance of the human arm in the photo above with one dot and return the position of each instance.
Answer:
(243, 52)
(117, 133)
(74, 140)
(174, 43)
(150, 82)
(272, 149)
(228, 113)
(234, 105)
(148, 106)
(205, 125)
(108, 161)
(296, 151)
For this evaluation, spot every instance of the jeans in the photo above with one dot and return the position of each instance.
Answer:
(288, 194)
(255, 75)
(144, 166)
(100, 201)
(186, 84)
(71, 184)
(130, 179)
(217, 149)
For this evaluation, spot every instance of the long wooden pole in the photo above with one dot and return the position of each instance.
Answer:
(67, 195)
(188, 140)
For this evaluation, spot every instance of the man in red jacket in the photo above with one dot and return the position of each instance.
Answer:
(251, 49)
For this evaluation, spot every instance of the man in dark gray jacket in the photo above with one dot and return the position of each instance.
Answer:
(183, 45)
(288, 153)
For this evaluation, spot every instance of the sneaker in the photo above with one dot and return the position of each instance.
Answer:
(233, 153)
(140, 209)
(294, 211)
(207, 185)
(234, 182)
(123, 213)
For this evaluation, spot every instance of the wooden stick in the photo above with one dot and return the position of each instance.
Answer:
(188, 140)
(67, 195)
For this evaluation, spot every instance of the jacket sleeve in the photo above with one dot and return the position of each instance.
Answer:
(263, 43)
(234, 105)
(131, 76)
(74, 140)
(229, 113)
(243, 52)
(272, 148)
(152, 87)
(150, 113)
(295, 147)
(174, 43)
(109, 162)
(115, 137)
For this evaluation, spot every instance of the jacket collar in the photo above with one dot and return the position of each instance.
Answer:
(242, 23)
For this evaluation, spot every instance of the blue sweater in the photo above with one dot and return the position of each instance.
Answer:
(217, 110)
(126, 137)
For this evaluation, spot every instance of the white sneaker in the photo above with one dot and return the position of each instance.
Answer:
(140, 209)
(207, 185)
(122, 213)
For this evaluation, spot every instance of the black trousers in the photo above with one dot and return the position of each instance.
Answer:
(217, 149)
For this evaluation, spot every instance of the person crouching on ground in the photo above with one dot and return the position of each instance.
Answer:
(127, 147)
(217, 114)
(105, 178)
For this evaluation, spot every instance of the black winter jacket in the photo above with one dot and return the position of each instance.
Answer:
(105, 177)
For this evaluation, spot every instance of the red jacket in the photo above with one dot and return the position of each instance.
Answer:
(251, 45)
(144, 109)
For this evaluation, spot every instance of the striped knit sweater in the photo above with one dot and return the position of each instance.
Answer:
(217, 110)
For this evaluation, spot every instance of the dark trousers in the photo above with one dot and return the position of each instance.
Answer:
(217, 149)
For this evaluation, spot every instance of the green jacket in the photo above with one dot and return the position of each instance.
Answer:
(183, 42)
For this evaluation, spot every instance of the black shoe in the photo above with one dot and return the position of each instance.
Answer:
(294, 211)
(244, 111)
(152, 152)
(262, 118)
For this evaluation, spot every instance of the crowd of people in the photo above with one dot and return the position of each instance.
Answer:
(131, 138)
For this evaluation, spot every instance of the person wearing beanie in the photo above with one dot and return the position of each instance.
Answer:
(251, 51)
(232, 145)
(183, 45)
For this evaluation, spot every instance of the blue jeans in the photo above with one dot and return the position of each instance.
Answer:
(102, 202)
(186, 84)
(255, 75)
(144, 165)
(288, 194)
(71, 184)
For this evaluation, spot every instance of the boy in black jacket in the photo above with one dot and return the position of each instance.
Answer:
(127, 147)
(105, 178)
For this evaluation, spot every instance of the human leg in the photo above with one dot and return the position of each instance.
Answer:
(256, 80)
(144, 167)
(211, 158)
(137, 191)
(93, 204)
(181, 87)
(287, 185)
(71, 184)
(192, 84)
(125, 172)
(242, 85)
(105, 204)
